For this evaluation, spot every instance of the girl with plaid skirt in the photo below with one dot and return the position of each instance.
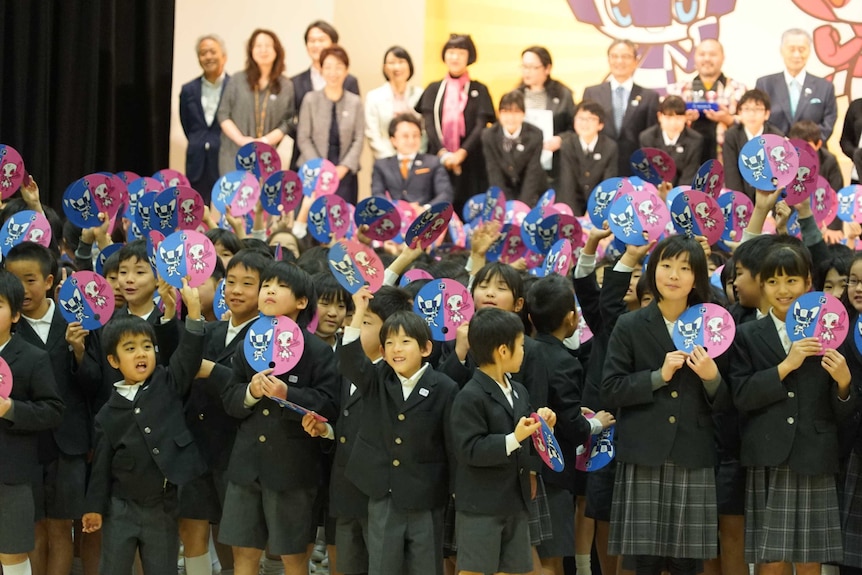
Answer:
(792, 396)
(664, 508)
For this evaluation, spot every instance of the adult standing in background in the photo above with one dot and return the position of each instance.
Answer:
(332, 123)
(318, 36)
(710, 85)
(456, 109)
(199, 101)
(794, 93)
(258, 102)
(630, 108)
(389, 100)
(851, 138)
(545, 97)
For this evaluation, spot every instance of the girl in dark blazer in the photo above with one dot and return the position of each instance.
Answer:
(664, 508)
(456, 110)
(793, 396)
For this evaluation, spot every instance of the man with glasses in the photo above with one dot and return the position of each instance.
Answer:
(630, 108)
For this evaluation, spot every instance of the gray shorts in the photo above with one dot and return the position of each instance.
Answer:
(60, 493)
(17, 512)
(491, 544)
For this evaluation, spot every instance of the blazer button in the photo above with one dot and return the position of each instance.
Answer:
(791, 394)
(147, 430)
(266, 412)
(155, 450)
(587, 173)
(262, 439)
(395, 463)
(790, 420)
(672, 419)
(346, 412)
(207, 146)
(137, 410)
(674, 394)
(397, 441)
(401, 417)
(342, 439)
(201, 416)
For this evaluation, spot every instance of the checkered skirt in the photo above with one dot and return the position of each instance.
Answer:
(667, 511)
(791, 517)
(851, 512)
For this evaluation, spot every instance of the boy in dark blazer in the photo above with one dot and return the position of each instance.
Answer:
(513, 152)
(144, 450)
(402, 455)
(33, 405)
(671, 134)
(587, 157)
(490, 423)
(410, 176)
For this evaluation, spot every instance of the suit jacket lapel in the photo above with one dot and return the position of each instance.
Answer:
(804, 98)
(491, 388)
(607, 100)
(346, 398)
(631, 109)
(426, 383)
(58, 330)
(657, 327)
(769, 336)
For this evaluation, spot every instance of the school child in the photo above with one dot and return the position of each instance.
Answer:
(207, 291)
(664, 509)
(144, 450)
(491, 424)
(587, 157)
(793, 395)
(753, 109)
(347, 504)
(513, 151)
(214, 430)
(830, 275)
(333, 305)
(401, 458)
(111, 272)
(34, 405)
(809, 131)
(672, 135)
(63, 450)
(225, 242)
(274, 465)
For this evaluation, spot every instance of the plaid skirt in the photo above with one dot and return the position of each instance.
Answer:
(667, 511)
(791, 517)
(851, 512)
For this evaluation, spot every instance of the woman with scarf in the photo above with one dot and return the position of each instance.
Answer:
(456, 110)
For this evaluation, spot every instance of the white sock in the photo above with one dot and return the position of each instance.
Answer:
(582, 563)
(19, 569)
(200, 565)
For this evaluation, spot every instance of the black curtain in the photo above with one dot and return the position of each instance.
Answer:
(86, 87)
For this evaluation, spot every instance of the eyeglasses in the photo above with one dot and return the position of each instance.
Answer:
(853, 282)
(752, 110)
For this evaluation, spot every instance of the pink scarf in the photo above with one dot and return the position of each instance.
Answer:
(454, 102)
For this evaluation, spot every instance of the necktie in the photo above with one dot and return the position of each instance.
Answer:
(405, 167)
(507, 144)
(619, 107)
(795, 90)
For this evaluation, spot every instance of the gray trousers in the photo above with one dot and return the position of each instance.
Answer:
(130, 526)
(407, 542)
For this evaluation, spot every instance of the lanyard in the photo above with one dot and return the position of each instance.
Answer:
(260, 111)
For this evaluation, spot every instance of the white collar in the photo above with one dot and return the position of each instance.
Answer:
(411, 381)
(591, 146)
(47, 319)
(216, 84)
(403, 157)
(749, 135)
(668, 141)
(129, 391)
(511, 136)
(627, 85)
(800, 77)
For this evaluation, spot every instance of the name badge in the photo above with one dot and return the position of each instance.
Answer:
(424, 392)
(597, 156)
(679, 149)
(520, 147)
(636, 103)
(292, 378)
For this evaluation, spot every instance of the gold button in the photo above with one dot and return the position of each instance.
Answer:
(342, 439)
(398, 440)
(201, 416)
(401, 417)
(674, 394)
(790, 420)
(262, 439)
(155, 450)
(791, 394)
(147, 430)
(137, 410)
(266, 412)
(587, 173)
(672, 419)
(346, 412)
(395, 463)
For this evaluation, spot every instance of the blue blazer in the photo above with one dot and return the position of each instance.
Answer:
(203, 139)
(816, 102)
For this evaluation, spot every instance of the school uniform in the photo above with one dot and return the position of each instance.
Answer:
(426, 183)
(514, 163)
(686, 151)
(790, 447)
(275, 466)
(491, 521)
(664, 494)
(144, 451)
(850, 481)
(36, 406)
(583, 168)
(734, 139)
(401, 460)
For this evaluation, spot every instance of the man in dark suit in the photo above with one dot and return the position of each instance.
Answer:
(199, 100)
(795, 94)
(671, 135)
(513, 152)
(630, 108)
(408, 175)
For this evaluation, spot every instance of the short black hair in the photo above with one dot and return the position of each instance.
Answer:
(460, 42)
(328, 289)
(549, 300)
(672, 106)
(254, 243)
(786, 258)
(251, 259)
(12, 290)
(642, 288)
(755, 96)
(513, 99)
(408, 117)
(541, 53)
(413, 325)
(672, 247)
(324, 27)
(510, 276)
(592, 107)
(489, 329)
(838, 257)
(299, 283)
(805, 130)
(224, 237)
(219, 271)
(314, 260)
(750, 253)
(134, 250)
(112, 264)
(33, 252)
(388, 300)
(401, 54)
(123, 325)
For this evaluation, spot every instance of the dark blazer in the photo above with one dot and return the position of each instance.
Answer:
(562, 103)
(36, 406)
(142, 445)
(427, 181)
(72, 436)
(345, 499)
(204, 140)
(271, 446)
(488, 481)
(640, 115)
(673, 422)
(580, 173)
(404, 447)
(518, 172)
(301, 87)
(734, 139)
(478, 113)
(685, 153)
(816, 102)
(792, 422)
(852, 130)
